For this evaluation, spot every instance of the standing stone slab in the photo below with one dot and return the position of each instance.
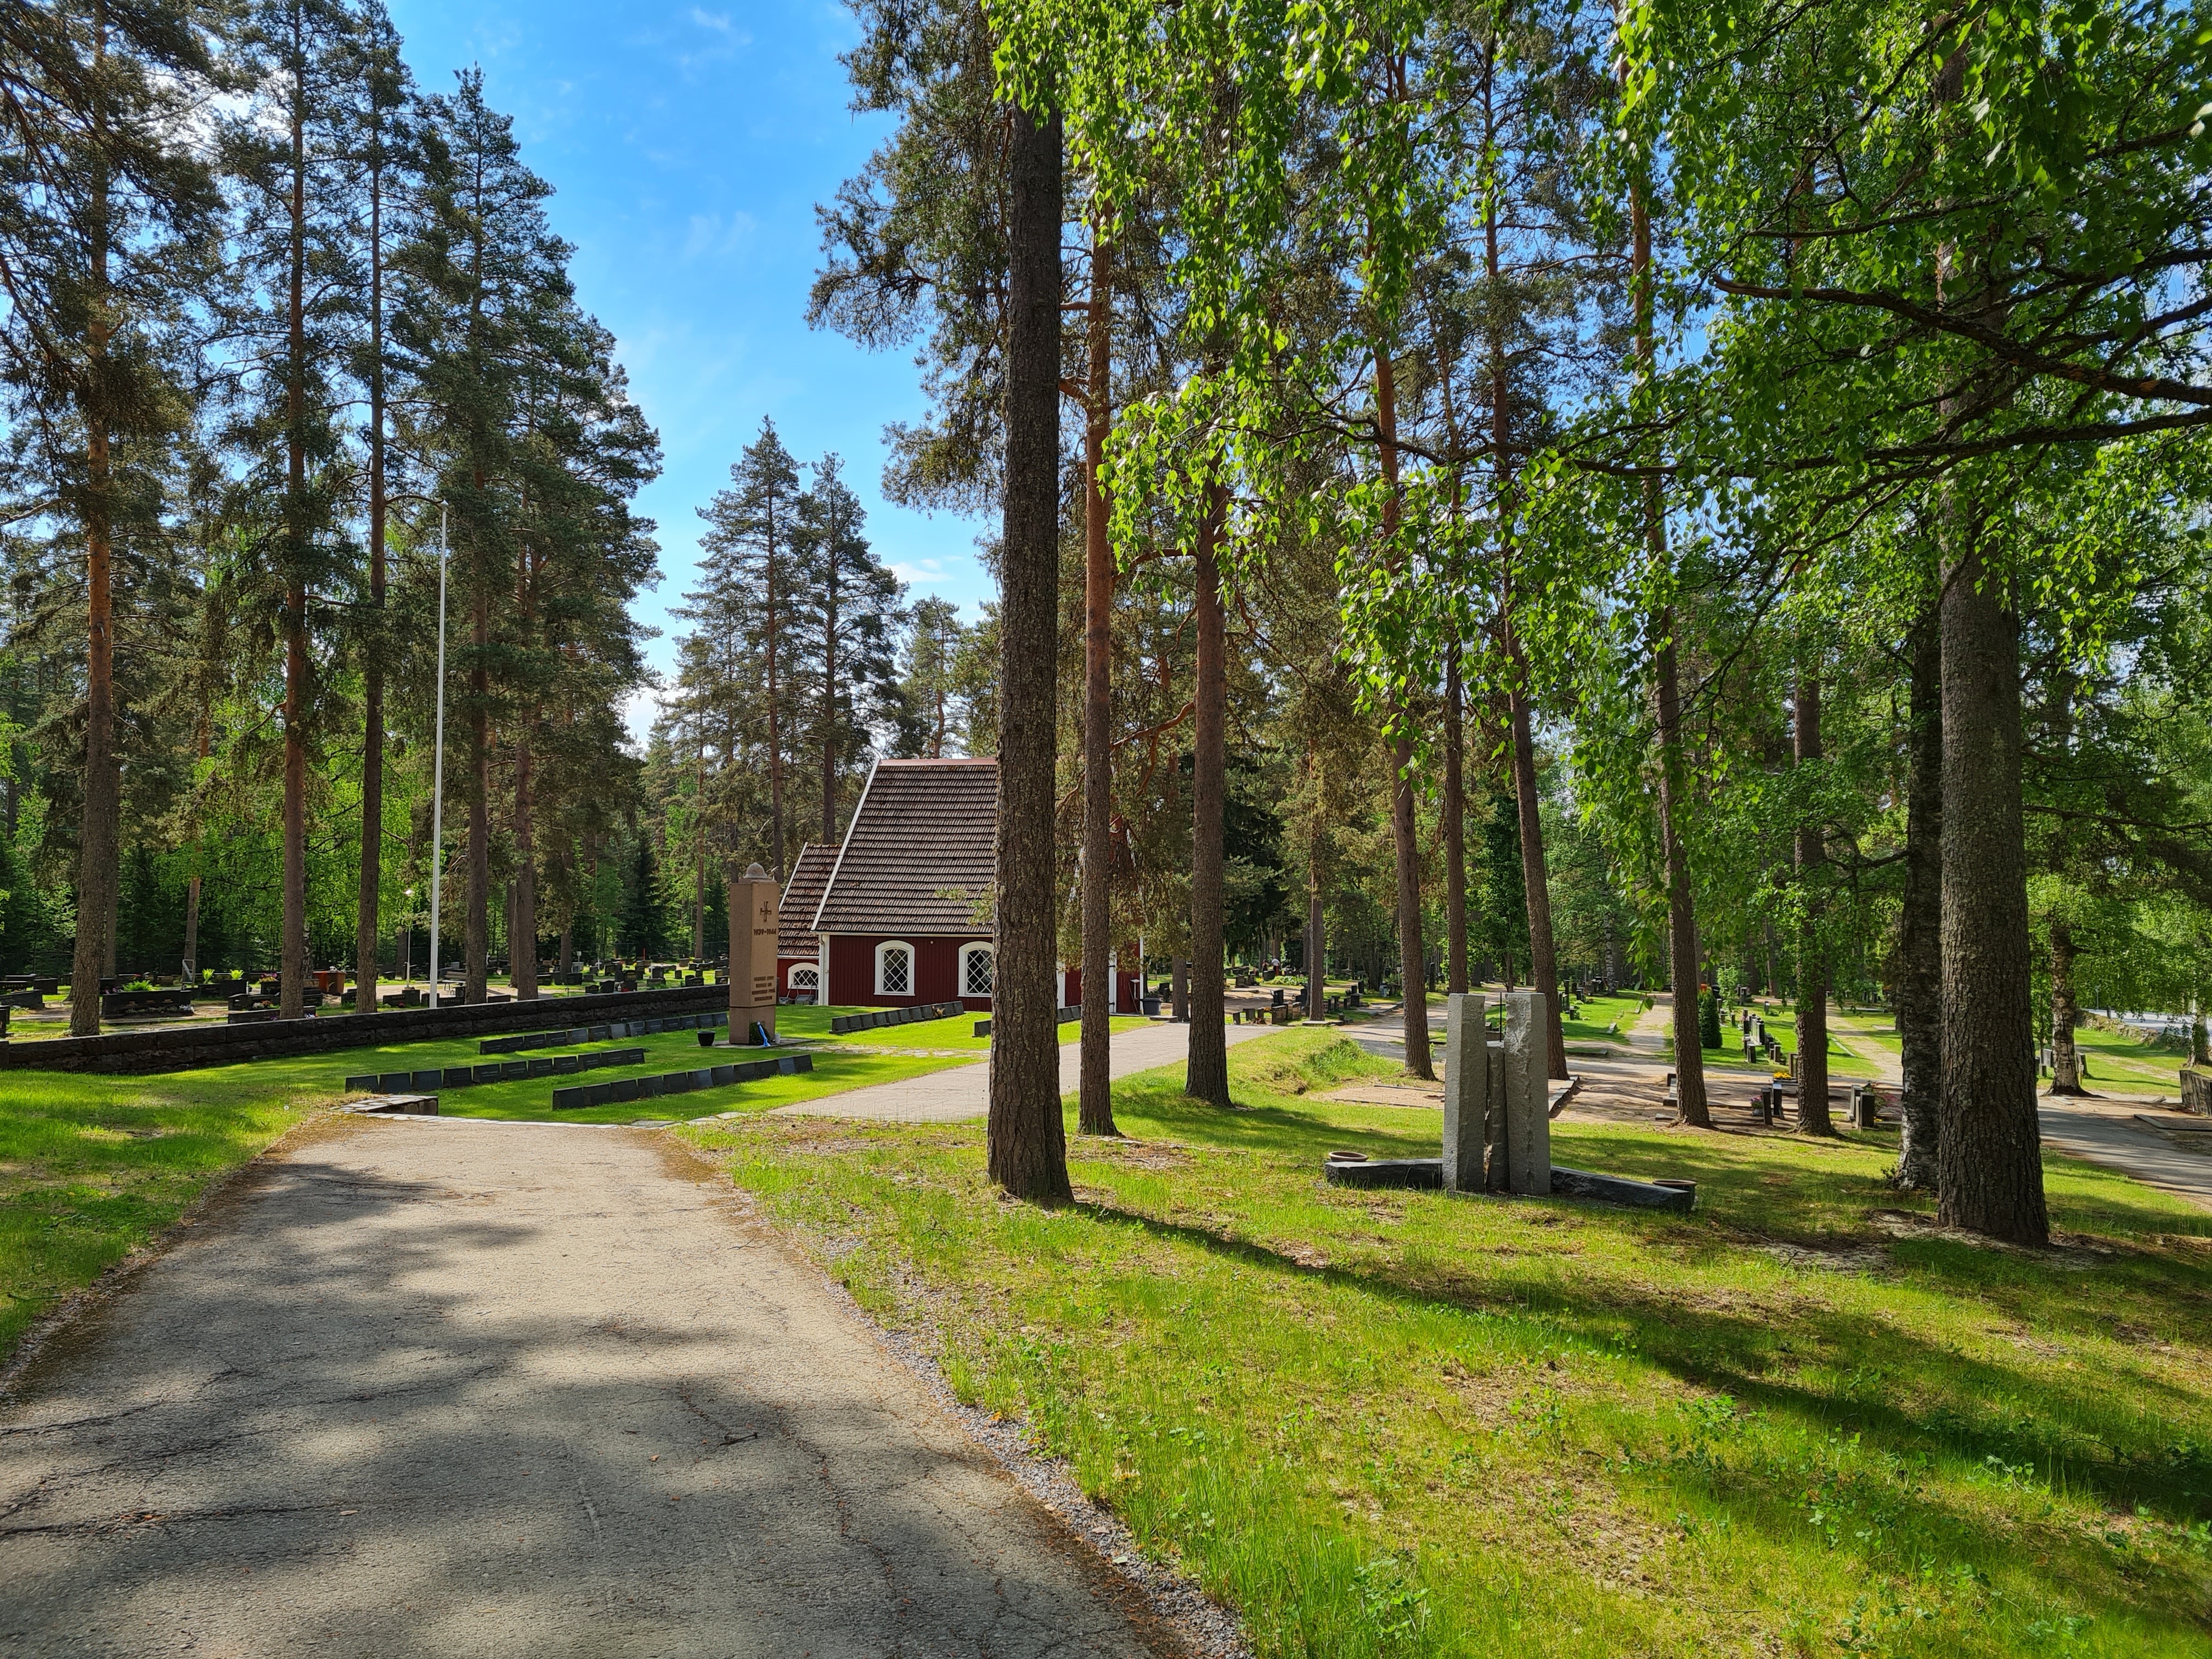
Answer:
(1528, 1108)
(1466, 1094)
(1498, 1169)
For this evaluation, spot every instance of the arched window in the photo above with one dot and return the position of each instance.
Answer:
(975, 970)
(895, 968)
(805, 977)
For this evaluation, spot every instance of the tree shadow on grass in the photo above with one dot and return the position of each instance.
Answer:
(1919, 1394)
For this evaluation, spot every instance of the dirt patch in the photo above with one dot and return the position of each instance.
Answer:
(1835, 1259)
(2076, 1250)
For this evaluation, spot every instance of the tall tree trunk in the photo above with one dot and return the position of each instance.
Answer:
(292, 978)
(1920, 919)
(1316, 911)
(1454, 811)
(366, 920)
(1412, 957)
(775, 600)
(476, 946)
(1813, 1116)
(1095, 1091)
(1026, 1136)
(201, 736)
(522, 925)
(829, 706)
(1179, 989)
(1667, 697)
(2065, 1056)
(1205, 1070)
(1990, 1162)
(699, 847)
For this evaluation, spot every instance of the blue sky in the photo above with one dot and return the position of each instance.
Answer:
(688, 145)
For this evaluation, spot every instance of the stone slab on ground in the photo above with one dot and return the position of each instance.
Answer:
(437, 1386)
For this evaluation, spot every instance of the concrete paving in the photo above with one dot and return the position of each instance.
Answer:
(960, 1092)
(2107, 1133)
(444, 1387)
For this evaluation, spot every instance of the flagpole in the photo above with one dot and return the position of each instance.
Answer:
(438, 764)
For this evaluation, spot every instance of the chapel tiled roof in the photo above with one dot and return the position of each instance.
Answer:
(920, 855)
(809, 874)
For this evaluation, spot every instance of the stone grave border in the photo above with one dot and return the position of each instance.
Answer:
(463, 1077)
(184, 1047)
(881, 1017)
(509, 1045)
(678, 1083)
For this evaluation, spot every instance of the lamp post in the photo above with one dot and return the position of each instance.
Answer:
(438, 764)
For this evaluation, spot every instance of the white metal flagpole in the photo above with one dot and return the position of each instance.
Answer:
(438, 764)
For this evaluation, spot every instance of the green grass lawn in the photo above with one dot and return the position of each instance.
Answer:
(1599, 1015)
(1401, 1423)
(812, 1024)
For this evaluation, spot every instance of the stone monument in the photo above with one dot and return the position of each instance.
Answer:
(754, 904)
(1497, 1120)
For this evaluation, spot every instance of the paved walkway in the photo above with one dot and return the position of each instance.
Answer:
(960, 1092)
(445, 1386)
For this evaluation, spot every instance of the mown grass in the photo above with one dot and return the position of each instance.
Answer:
(93, 1167)
(1599, 1016)
(1399, 1423)
(2114, 1058)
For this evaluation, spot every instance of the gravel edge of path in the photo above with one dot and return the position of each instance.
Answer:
(1206, 1628)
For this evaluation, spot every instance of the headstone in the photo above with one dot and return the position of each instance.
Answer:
(753, 925)
(1527, 1106)
(1466, 1093)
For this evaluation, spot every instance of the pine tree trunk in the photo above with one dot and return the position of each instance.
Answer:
(699, 850)
(2065, 1056)
(1205, 1070)
(292, 981)
(97, 876)
(1990, 1161)
(1179, 989)
(1026, 1136)
(775, 714)
(1317, 911)
(1920, 919)
(522, 929)
(1095, 1091)
(829, 709)
(367, 918)
(1813, 1116)
(475, 947)
(1454, 813)
(1405, 837)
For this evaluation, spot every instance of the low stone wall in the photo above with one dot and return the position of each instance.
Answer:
(186, 1047)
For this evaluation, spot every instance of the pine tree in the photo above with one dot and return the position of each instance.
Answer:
(104, 243)
(845, 617)
(483, 280)
(751, 600)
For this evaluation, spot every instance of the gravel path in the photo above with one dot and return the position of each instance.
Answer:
(447, 1386)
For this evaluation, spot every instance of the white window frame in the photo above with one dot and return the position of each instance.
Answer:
(812, 981)
(889, 945)
(978, 947)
